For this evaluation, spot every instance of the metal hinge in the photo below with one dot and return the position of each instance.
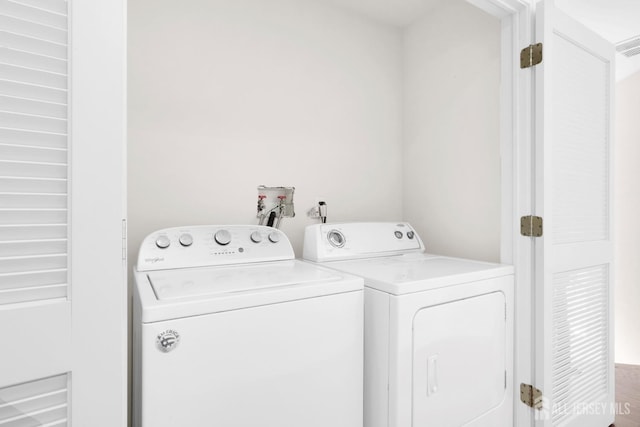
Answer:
(531, 226)
(531, 396)
(531, 55)
(124, 239)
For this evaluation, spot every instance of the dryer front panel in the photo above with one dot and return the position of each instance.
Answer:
(459, 369)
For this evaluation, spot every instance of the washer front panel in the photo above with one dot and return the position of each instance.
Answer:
(295, 364)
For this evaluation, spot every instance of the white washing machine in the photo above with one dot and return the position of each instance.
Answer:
(230, 330)
(438, 330)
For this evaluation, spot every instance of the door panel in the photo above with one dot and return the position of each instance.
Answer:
(573, 263)
(38, 339)
(62, 204)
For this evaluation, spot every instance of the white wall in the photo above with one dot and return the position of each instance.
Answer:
(627, 212)
(452, 125)
(229, 94)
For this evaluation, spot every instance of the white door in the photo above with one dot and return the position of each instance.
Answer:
(573, 259)
(62, 282)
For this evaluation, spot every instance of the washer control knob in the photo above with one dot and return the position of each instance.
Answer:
(163, 242)
(256, 237)
(410, 234)
(398, 234)
(222, 237)
(186, 239)
(274, 237)
(336, 238)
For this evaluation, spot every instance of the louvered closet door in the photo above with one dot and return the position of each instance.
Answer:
(574, 333)
(35, 311)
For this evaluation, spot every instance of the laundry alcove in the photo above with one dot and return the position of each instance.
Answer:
(384, 114)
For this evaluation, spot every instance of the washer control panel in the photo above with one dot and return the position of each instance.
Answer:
(209, 245)
(342, 241)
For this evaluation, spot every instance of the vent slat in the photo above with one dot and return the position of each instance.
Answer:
(55, 6)
(35, 76)
(26, 263)
(33, 45)
(28, 28)
(32, 13)
(24, 216)
(35, 61)
(33, 231)
(33, 169)
(33, 398)
(631, 52)
(34, 200)
(34, 293)
(33, 107)
(33, 185)
(33, 92)
(32, 122)
(46, 415)
(629, 47)
(26, 279)
(38, 247)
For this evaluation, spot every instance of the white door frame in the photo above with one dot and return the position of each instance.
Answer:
(516, 148)
(97, 209)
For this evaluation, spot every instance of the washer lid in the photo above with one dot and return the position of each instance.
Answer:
(404, 274)
(172, 294)
(211, 282)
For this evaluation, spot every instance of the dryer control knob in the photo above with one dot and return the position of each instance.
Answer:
(163, 242)
(256, 237)
(186, 239)
(410, 234)
(274, 237)
(222, 237)
(336, 238)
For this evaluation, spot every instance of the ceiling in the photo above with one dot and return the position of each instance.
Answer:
(614, 20)
(393, 12)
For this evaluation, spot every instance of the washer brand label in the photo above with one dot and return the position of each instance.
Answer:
(167, 340)
(154, 260)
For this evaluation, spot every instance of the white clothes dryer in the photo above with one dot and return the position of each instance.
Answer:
(230, 330)
(438, 330)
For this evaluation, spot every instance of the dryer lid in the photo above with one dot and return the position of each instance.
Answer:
(404, 274)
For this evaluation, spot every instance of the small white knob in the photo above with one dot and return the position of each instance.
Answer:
(256, 237)
(186, 239)
(163, 242)
(336, 238)
(223, 237)
(274, 237)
